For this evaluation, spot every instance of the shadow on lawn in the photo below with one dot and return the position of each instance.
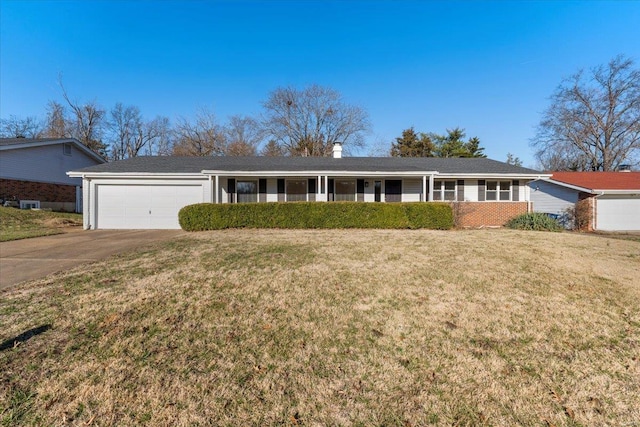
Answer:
(25, 336)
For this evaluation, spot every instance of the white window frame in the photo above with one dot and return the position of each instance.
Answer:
(439, 193)
(498, 191)
(251, 181)
(306, 189)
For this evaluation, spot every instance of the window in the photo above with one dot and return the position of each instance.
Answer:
(66, 149)
(247, 191)
(297, 190)
(345, 190)
(29, 204)
(498, 190)
(444, 190)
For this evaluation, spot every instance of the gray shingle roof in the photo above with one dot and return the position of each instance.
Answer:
(295, 164)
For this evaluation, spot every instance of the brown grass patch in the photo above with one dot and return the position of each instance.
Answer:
(481, 327)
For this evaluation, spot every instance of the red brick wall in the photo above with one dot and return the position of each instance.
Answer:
(28, 190)
(486, 214)
(585, 210)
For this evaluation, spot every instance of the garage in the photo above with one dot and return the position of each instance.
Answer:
(618, 213)
(143, 206)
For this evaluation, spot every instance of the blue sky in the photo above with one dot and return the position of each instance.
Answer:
(488, 67)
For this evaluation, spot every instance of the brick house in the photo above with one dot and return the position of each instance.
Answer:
(33, 172)
(148, 192)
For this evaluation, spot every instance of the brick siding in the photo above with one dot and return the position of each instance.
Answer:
(486, 214)
(42, 191)
(585, 208)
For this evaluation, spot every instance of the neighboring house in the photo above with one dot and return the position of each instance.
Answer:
(148, 192)
(611, 200)
(33, 172)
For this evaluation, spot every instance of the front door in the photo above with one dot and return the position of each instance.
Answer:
(393, 190)
(377, 187)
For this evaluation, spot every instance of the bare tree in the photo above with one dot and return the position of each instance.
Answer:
(130, 134)
(162, 143)
(88, 122)
(593, 122)
(243, 136)
(309, 121)
(56, 123)
(204, 137)
(15, 127)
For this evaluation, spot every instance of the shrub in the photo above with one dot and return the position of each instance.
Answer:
(207, 216)
(537, 221)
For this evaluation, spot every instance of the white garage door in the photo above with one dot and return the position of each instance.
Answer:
(620, 213)
(143, 206)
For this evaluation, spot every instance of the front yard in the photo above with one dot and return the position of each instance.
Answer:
(22, 224)
(337, 327)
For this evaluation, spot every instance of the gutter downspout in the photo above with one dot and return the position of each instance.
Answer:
(88, 180)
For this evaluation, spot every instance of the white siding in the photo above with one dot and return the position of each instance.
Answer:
(222, 196)
(43, 164)
(411, 190)
(272, 190)
(551, 198)
(470, 190)
(369, 192)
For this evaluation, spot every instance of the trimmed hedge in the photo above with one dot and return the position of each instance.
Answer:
(536, 221)
(208, 216)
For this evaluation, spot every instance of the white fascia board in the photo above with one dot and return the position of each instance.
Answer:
(97, 175)
(314, 173)
(571, 186)
(493, 176)
(621, 192)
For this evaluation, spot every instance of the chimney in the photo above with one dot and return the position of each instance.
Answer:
(337, 150)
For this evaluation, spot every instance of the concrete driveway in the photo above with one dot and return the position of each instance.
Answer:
(31, 259)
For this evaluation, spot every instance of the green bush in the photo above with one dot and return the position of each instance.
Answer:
(208, 216)
(537, 221)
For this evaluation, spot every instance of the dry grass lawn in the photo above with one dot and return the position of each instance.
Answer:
(18, 224)
(410, 328)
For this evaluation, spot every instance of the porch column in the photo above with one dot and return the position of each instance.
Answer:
(319, 189)
(425, 194)
(215, 190)
(431, 188)
(326, 187)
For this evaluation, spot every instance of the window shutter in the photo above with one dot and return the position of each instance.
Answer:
(360, 190)
(262, 190)
(460, 195)
(231, 190)
(515, 191)
(330, 190)
(311, 189)
(281, 190)
(481, 190)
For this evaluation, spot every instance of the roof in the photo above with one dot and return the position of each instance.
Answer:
(600, 181)
(20, 143)
(193, 165)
